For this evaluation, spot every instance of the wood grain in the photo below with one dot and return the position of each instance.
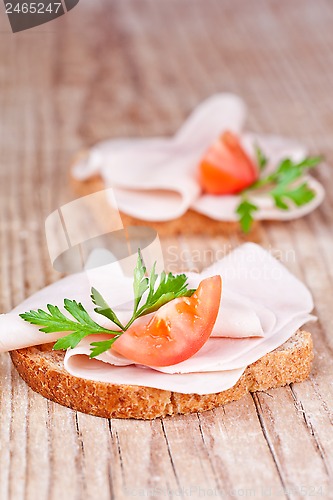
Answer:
(137, 68)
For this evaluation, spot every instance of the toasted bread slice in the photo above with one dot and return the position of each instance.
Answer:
(44, 372)
(191, 223)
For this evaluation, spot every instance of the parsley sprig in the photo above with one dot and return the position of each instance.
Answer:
(161, 290)
(283, 185)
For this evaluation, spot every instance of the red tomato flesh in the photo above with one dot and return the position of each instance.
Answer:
(226, 168)
(176, 331)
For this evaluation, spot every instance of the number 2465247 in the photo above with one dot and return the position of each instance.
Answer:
(32, 8)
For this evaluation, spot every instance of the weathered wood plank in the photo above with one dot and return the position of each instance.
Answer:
(142, 459)
(138, 68)
(237, 447)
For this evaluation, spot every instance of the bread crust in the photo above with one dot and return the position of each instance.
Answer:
(44, 372)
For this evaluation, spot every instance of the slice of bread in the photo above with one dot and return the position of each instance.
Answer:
(44, 372)
(191, 223)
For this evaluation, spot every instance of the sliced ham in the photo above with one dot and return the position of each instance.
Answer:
(263, 304)
(156, 179)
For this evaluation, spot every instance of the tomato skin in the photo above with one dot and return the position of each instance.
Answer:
(226, 168)
(176, 331)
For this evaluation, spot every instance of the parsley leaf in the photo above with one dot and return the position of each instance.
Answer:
(245, 210)
(55, 321)
(262, 160)
(282, 185)
(300, 195)
(160, 291)
(101, 346)
(170, 287)
(104, 309)
(141, 282)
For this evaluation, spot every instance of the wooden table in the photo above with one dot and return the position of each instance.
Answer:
(137, 68)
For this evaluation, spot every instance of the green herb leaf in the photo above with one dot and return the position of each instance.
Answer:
(282, 185)
(101, 346)
(310, 162)
(56, 321)
(104, 309)
(141, 282)
(152, 280)
(69, 341)
(168, 288)
(299, 195)
(279, 203)
(262, 160)
(245, 210)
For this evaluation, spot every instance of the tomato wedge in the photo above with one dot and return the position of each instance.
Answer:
(176, 331)
(226, 168)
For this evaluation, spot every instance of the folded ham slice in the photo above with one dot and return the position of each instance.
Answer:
(263, 305)
(156, 179)
(236, 318)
